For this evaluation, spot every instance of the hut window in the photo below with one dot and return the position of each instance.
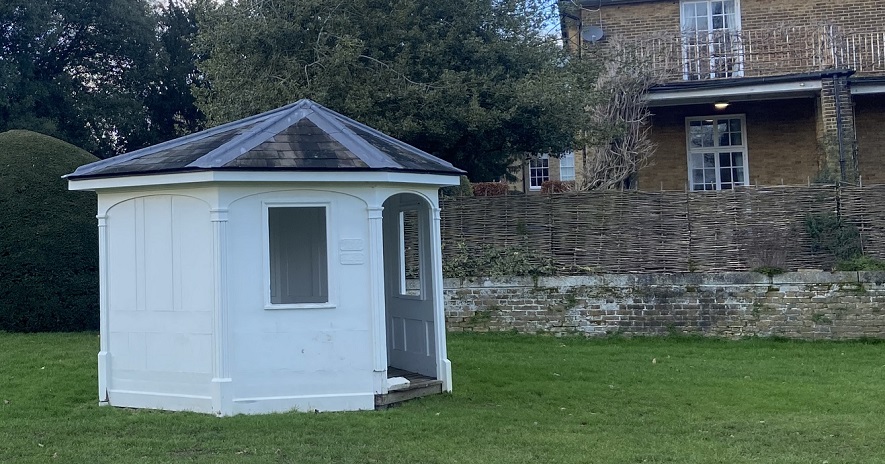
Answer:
(298, 255)
(410, 253)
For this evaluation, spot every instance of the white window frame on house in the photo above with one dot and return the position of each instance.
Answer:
(716, 160)
(567, 167)
(710, 51)
(325, 266)
(539, 172)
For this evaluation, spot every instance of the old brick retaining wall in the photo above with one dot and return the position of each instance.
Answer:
(802, 305)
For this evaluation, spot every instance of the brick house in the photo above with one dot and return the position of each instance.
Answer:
(761, 92)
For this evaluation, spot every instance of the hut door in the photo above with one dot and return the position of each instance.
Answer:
(411, 343)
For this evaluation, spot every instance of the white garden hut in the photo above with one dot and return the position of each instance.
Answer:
(260, 266)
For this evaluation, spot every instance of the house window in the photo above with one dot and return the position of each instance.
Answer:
(298, 257)
(717, 152)
(567, 167)
(711, 39)
(539, 172)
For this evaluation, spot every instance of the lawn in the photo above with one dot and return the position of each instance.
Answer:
(517, 399)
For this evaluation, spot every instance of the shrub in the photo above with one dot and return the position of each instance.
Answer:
(862, 263)
(495, 261)
(831, 234)
(465, 189)
(557, 186)
(489, 189)
(48, 237)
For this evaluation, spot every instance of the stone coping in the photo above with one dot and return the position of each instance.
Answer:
(717, 279)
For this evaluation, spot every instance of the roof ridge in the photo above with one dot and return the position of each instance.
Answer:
(362, 149)
(192, 137)
(250, 139)
(384, 136)
(397, 141)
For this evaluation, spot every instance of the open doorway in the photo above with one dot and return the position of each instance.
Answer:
(409, 301)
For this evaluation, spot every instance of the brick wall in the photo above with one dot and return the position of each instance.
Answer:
(852, 15)
(782, 143)
(802, 305)
(779, 36)
(635, 21)
(644, 19)
(870, 120)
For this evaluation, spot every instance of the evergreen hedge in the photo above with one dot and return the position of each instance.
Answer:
(48, 237)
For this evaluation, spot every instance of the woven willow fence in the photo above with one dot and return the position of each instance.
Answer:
(615, 232)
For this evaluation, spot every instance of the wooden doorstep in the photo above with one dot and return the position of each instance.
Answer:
(419, 385)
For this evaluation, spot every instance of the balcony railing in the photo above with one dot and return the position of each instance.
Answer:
(756, 53)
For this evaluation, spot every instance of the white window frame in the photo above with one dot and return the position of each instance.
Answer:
(716, 148)
(738, 51)
(567, 162)
(403, 291)
(331, 256)
(536, 166)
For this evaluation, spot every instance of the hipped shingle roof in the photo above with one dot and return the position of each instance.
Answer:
(303, 136)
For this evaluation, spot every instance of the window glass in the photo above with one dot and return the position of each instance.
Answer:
(567, 167)
(298, 255)
(539, 172)
(709, 167)
(711, 48)
(709, 160)
(410, 283)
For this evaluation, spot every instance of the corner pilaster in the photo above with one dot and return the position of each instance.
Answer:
(443, 365)
(104, 358)
(221, 387)
(379, 323)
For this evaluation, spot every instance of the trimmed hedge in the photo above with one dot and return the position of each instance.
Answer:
(48, 237)
(557, 186)
(489, 189)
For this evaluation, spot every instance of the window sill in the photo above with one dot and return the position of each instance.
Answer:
(301, 306)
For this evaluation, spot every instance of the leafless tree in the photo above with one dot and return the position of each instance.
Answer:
(620, 145)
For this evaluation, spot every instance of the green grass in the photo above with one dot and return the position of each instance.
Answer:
(517, 399)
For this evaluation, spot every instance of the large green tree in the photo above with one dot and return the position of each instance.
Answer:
(472, 81)
(105, 75)
(170, 104)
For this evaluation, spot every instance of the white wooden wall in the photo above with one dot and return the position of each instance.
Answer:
(308, 357)
(160, 296)
(171, 341)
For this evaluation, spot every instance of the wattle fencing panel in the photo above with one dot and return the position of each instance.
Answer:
(634, 231)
